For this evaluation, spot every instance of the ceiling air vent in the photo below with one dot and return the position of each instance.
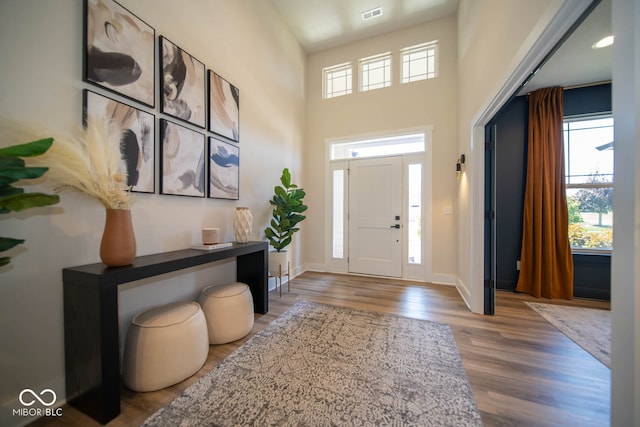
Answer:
(370, 14)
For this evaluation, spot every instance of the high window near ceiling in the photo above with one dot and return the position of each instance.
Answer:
(419, 62)
(589, 175)
(337, 80)
(375, 72)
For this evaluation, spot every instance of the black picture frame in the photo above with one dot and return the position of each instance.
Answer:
(224, 170)
(119, 51)
(137, 145)
(182, 91)
(182, 160)
(224, 107)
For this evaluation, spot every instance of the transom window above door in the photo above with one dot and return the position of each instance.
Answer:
(381, 146)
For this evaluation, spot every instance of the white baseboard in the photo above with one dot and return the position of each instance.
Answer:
(443, 279)
(464, 292)
(318, 268)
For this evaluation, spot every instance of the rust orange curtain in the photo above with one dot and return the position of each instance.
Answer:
(546, 264)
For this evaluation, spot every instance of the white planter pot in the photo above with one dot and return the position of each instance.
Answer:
(277, 260)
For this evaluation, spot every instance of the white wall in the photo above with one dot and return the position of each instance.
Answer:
(625, 262)
(41, 69)
(400, 106)
(494, 37)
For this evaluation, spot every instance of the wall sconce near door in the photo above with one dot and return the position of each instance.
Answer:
(459, 164)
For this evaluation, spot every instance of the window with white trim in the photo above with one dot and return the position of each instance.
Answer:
(337, 80)
(338, 213)
(375, 72)
(588, 151)
(392, 145)
(418, 62)
(414, 209)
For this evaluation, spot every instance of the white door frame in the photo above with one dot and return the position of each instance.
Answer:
(419, 272)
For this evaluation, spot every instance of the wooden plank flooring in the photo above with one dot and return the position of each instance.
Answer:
(522, 370)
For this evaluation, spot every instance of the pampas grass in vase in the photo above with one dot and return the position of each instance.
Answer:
(88, 160)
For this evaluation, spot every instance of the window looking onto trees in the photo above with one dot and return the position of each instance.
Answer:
(588, 149)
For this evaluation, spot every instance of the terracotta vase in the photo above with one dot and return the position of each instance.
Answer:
(242, 224)
(118, 246)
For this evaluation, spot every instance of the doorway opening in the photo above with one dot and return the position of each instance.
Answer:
(378, 204)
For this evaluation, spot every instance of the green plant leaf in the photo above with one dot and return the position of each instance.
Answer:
(11, 162)
(13, 174)
(286, 242)
(24, 201)
(286, 178)
(4, 260)
(9, 190)
(298, 194)
(7, 243)
(30, 149)
(279, 192)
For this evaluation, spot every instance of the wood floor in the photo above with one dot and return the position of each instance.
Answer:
(522, 370)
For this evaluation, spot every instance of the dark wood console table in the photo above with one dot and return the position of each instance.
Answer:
(91, 336)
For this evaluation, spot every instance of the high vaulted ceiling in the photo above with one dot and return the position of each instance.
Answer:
(323, 24)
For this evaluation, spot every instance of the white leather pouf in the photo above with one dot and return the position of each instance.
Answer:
(228, 310)
(165, 345)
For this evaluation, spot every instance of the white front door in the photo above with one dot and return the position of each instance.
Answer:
(375, 209)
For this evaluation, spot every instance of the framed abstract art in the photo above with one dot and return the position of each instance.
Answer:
(224, 164)
(182, 160)
(224, 107)
(182, 91)
(119, 52)
(137, 145)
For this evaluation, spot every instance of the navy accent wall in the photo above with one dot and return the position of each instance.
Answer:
(587, 100)
(592, 278)
(511, 159)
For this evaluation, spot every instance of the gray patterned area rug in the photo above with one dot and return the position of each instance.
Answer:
(588, 327)
(320, 365)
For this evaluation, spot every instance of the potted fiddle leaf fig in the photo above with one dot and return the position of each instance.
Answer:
(13, 169)
(288, 208)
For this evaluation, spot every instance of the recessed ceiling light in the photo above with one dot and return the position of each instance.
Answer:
(607, 41)
(370, 14)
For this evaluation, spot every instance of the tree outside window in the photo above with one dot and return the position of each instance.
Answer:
(589, 178)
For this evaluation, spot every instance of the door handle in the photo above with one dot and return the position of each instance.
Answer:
(395, 226)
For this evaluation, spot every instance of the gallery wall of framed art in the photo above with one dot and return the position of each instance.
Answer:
(197, 111)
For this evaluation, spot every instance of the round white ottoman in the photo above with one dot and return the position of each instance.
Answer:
(228, 310)
(165, 345)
